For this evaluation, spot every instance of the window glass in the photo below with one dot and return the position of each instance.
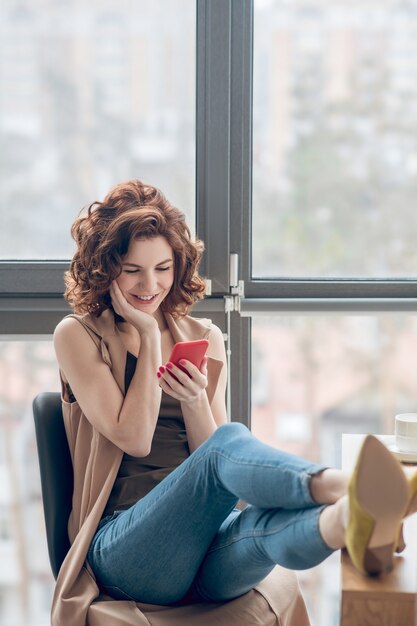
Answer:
(91, 94)
(26, 581)
(334, 150)
(315, 377)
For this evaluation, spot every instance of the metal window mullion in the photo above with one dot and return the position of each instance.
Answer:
(241, 135)
(240, 369)
(327, 288)
(249, 307)
(213, 138)
(240, 201)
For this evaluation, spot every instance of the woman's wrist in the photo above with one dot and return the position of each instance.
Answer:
(201, 398)
(150, 331)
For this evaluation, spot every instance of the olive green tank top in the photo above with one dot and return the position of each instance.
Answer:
(137, 476)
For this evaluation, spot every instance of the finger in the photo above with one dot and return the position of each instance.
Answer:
(112, 290)
(191, 378)
(203, 368)
(117, 291)
(113, 296)
(176, 389)
(119, 298)
(164, 384)
(176, 377)
(117, 305)
(179, 373)
(192, 369)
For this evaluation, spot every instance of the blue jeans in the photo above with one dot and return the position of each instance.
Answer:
(186, 541)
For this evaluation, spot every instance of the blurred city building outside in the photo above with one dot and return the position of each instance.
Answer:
(26, 582)
(334, 149)
(91, 94)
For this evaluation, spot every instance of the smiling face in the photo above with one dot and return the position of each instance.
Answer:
(147, 273)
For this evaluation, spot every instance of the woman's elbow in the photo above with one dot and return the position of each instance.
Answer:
(140, 449)
(140, 452)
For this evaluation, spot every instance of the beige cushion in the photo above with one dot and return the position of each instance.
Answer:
(276, 601)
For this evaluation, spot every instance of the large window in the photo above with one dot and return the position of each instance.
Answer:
(334, 150)
(332, 230)
(91, 94)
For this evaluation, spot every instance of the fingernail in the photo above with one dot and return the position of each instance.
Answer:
(162, 369)
(169, 366)
(158, 374)
(182, 362)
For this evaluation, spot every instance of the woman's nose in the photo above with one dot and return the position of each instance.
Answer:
(148, 282)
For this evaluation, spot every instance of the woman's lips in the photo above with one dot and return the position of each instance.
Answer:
(138, 299)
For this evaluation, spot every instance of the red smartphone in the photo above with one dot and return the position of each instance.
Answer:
(193, 351)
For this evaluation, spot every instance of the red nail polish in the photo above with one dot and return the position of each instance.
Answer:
(162, 369)
(158, 374)
(169, 366)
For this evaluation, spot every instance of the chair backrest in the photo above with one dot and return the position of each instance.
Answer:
(56, 471)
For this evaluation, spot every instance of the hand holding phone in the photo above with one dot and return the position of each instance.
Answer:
(193, 351)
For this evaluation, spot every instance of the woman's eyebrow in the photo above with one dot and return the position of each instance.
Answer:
(160, 263)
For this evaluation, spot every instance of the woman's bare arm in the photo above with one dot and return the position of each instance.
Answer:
(129, 422)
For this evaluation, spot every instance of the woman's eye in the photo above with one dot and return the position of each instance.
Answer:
(160, 269)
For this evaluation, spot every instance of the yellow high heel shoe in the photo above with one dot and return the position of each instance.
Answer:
(379, 494)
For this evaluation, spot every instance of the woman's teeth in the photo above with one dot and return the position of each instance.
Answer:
(146, 298)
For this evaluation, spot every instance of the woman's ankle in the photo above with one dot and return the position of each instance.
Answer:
(333, 522)
(328, 486)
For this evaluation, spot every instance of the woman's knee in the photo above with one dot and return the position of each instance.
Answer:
(229, 433)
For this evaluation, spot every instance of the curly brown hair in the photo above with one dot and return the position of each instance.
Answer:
(131, 210)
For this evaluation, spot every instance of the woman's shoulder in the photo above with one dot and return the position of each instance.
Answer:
(69, 331)
(73, 323)
(68, 325)
(80, 333)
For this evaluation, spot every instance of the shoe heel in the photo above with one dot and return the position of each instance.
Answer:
(379, 560)
(378, 498)
(400, 546)
(411, 508)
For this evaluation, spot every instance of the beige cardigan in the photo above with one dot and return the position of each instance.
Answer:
(96, 460)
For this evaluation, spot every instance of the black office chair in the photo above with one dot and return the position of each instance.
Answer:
(57, 479)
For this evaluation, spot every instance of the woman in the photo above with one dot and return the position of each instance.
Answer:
(159, 470)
